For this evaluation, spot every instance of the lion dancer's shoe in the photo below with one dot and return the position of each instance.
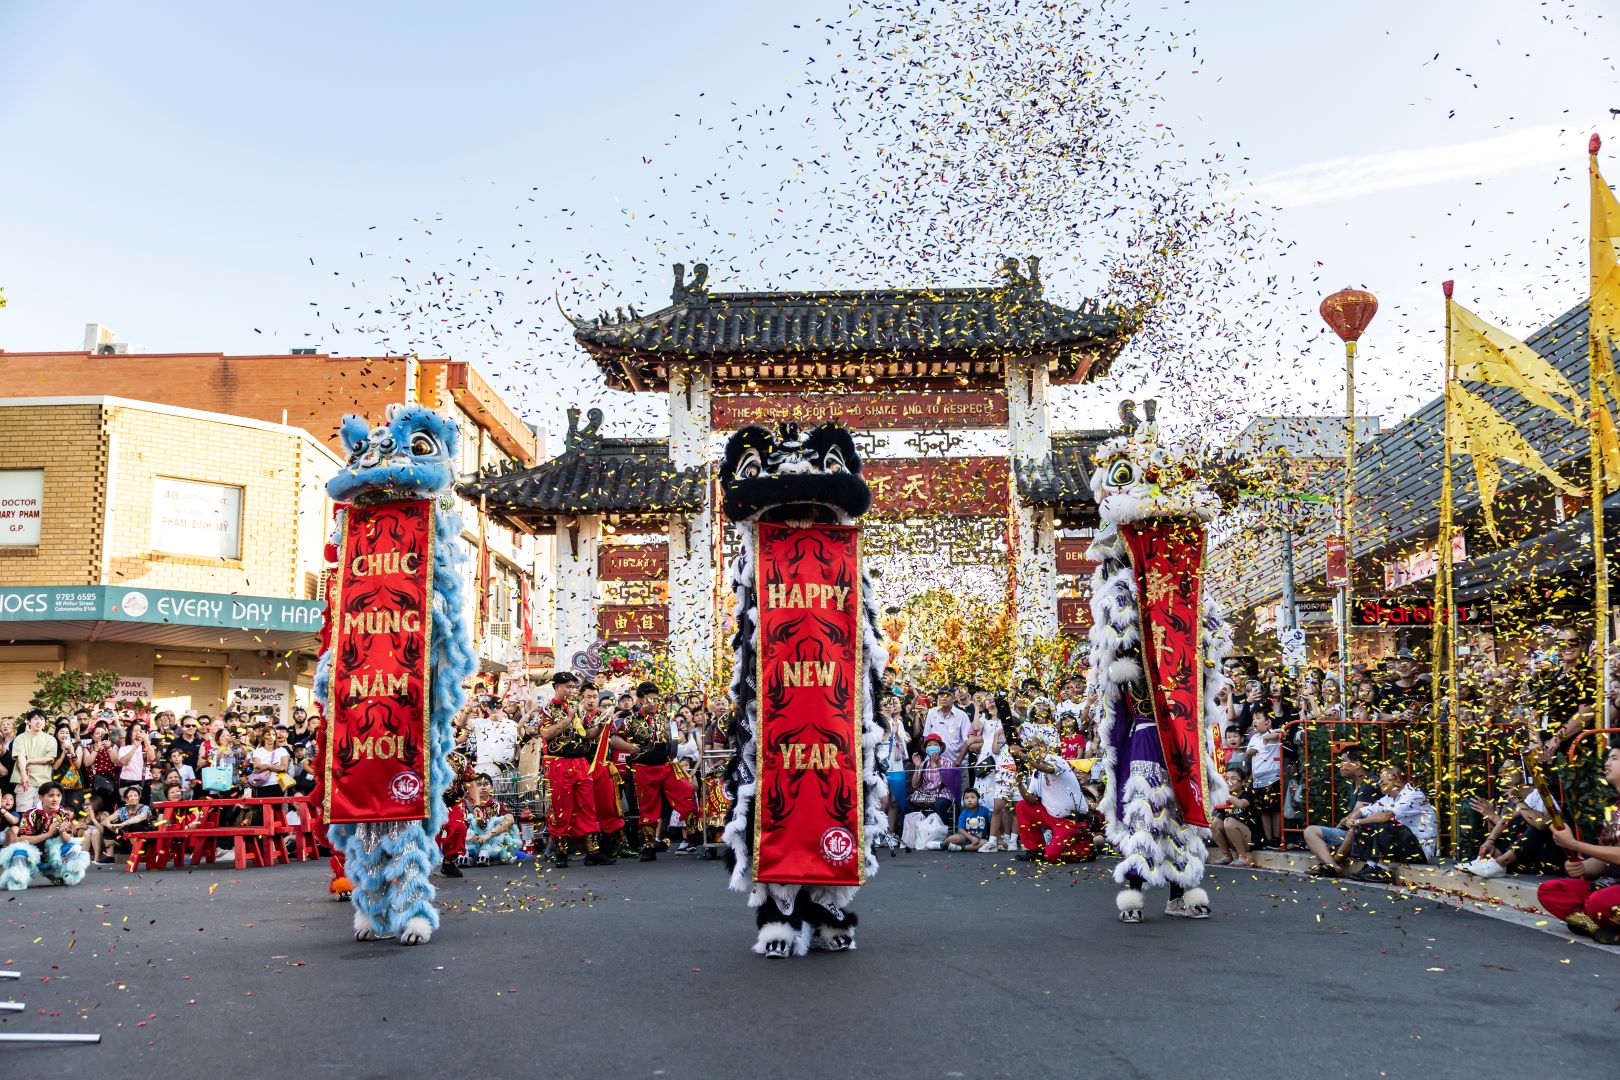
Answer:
(341, 887)
(1191, 904)
(782, 933)
(1129, 901)
(834, 927)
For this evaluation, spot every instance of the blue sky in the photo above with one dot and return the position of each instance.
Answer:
(220, 177)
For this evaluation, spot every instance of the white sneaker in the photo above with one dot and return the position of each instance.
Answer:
(1488, 868)
(989, 845)
(953, 847)
(1009, 842)
(935, 845)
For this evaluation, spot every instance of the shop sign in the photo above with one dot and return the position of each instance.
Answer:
(261, 695)
(115, 603)
(1421, 564)
(623, 622)
(632, 562)
(193, 518)
(924, 487)
(22, 502)
(926, 411)
(129, 688)
(1338, 566)
(1071, 556)
(1384, 611)
(1074, 615)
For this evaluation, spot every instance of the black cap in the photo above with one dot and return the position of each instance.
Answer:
(564, 678)
(1405, 654)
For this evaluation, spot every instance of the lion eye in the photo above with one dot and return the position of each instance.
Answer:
(834, 462)
(749, 467)
(1121, 474)
(422, 444)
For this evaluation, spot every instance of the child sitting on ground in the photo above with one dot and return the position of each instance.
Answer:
(1237, 825)
(46, 840)
(972, 825)
(492, 833)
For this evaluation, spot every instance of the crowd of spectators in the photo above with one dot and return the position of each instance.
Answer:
(1345, 773)
(113, 767)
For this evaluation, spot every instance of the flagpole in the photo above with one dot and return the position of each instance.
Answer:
(1600, 564)
(1444, 633)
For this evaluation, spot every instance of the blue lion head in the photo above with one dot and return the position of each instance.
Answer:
(412, 455)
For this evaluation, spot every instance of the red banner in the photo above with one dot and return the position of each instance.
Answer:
(1168, 558)
(382, 621)
(1338, 567)
(808, 808)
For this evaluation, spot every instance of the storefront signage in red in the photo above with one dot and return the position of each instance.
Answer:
(1071, 556)
(920, 487)
(632, 562)
(946, 409)
(1338, 567)
(633, 622)
(808, 809)
(382, 637)
(1382, 611)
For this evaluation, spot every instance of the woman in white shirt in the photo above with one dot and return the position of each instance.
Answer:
(265, 762)
(135, 761)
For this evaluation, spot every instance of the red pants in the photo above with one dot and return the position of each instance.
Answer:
(1069, 841)
(606, 782)
(453, 837)
(657, 783)
(573, 797)
(1563, 897)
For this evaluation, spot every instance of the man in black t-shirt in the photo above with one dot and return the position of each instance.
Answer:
(1357, 791)
(189, 742)
(1408, 688)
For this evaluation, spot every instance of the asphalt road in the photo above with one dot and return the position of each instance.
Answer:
(968, 966)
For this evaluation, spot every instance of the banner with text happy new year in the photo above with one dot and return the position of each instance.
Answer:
(376, 766)
(808, 810)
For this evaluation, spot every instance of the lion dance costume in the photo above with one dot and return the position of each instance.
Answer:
(1156, 653)
(804, 779)
(410, 458)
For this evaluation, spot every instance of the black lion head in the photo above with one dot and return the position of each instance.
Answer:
(789, 478)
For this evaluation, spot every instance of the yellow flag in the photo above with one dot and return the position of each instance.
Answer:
(1489, 354)
(1481, 432)
(1604, 310)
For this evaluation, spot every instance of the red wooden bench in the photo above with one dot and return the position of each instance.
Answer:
(194, 830)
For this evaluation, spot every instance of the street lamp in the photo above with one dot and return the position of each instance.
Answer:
(1348, 313)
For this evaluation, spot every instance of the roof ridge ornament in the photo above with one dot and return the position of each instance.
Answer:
(1018, 280)
(583, 439)
(688, 291)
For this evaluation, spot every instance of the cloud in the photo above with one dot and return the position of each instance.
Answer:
(1392, 170)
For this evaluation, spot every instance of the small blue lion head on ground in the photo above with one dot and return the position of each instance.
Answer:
(411, 455)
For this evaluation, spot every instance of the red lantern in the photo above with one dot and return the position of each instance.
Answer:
(1348, 312)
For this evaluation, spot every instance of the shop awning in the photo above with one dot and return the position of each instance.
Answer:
(165, 617)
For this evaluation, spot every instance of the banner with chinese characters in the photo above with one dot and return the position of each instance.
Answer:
(633, 622)
(808, 810)
(929, 410)
(954, 486)
(382, 624)
(1167, 556)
